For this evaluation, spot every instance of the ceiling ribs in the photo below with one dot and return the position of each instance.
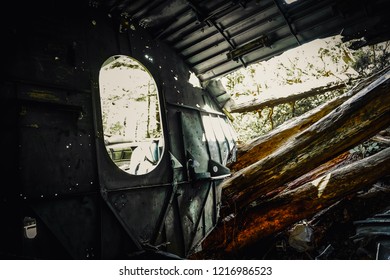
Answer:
(209, 19)
(287, 22)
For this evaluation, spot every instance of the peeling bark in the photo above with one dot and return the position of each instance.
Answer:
(264, 218)
(356, 120)
(382, 139)
(333, 164)
(264, 145)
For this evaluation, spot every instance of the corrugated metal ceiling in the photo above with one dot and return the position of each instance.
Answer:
(217, 37)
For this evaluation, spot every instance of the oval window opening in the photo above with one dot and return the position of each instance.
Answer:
(131, 115)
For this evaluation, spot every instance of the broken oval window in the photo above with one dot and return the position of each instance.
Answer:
(131, 115)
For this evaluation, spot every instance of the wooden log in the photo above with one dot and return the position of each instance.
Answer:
(326, 167)
(343, 159)
(331, 227)
(264, 145)
(256, 104)
(353, 122)
(381, 139)
(274, 215)
(333, 164)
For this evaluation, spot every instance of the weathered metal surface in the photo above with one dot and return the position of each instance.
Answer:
(69, 199)
(217, 37)
(373, 235)
(78, 203)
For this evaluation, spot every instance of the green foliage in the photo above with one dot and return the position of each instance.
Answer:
(234, 80)
(253, 124)
(367, 149)
(372, 59)
(125, 65)
(309, 103)
(325, 62)
(129, 100)
(116, 129)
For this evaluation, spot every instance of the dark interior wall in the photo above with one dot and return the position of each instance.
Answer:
(60, 173)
